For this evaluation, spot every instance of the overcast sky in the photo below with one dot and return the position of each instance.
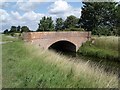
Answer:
(29, 13)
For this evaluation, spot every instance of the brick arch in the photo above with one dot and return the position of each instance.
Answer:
(59, 39)
(63, 45)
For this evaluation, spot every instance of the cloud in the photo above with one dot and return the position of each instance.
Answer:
(3, 0)
(36, 0)
(1, 4)
(27, 6)
(59, 7)
(30, 19)
(63, 9)
(4, 4)
(4, 19)
(32, 16)
(14, 18)
(4, 16)
(16, 15)
(75, 12)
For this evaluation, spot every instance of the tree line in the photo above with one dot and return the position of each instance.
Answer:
(17, 29)
(101, 18)
(46, 24)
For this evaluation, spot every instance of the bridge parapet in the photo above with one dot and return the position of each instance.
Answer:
(42, 35)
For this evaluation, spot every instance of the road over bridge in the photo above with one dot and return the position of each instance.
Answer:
(63, 41)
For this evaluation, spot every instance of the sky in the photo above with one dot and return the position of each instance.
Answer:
(29, 13)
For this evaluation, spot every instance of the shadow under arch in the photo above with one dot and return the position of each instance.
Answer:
(63, 46)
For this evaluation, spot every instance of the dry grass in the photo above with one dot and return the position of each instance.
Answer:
(109, 42)
(81, 69)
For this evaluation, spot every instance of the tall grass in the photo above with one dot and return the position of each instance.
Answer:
(25, 65)
(102, 47)
(5, 38)
(109, 42)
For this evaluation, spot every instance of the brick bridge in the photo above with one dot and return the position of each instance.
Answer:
(67, 41)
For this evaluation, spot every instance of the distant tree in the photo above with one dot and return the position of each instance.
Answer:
(6, 31)
(46, 24)
(24, 29)
(59, 24)
(13, 29)
(71, 22)
(50, 24)
(43, 24)
(18, 29)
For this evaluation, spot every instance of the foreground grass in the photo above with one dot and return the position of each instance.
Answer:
(7, 38)
(26, 66)
(103, 48)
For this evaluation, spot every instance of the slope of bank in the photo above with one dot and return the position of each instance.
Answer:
(101, 47)
(28, 66)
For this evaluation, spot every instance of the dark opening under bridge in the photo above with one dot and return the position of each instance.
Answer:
(64, 41)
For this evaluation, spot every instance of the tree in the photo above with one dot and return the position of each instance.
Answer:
(98, 15)
(18, 29)
(24, 29)
(71, 22)
(46, 24)
(13, 29)
(50, 24)
(117, 31)
(6, 31)
(59, 24)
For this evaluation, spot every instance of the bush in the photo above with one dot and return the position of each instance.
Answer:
(89, 49)
(12, 34)
(104, 30)
(74, 29)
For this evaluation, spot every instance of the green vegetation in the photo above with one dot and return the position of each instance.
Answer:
(101, 18)
(24, 29)
(101, 47)
(28, 66)
(59, 24)
(16, 30)
(6, 38)
(71, 22)
(46, 24)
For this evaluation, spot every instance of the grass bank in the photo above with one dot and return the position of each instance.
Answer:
(101, 47)
(28, 66)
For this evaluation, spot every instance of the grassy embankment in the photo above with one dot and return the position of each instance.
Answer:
(25, 65)
(103, 48)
